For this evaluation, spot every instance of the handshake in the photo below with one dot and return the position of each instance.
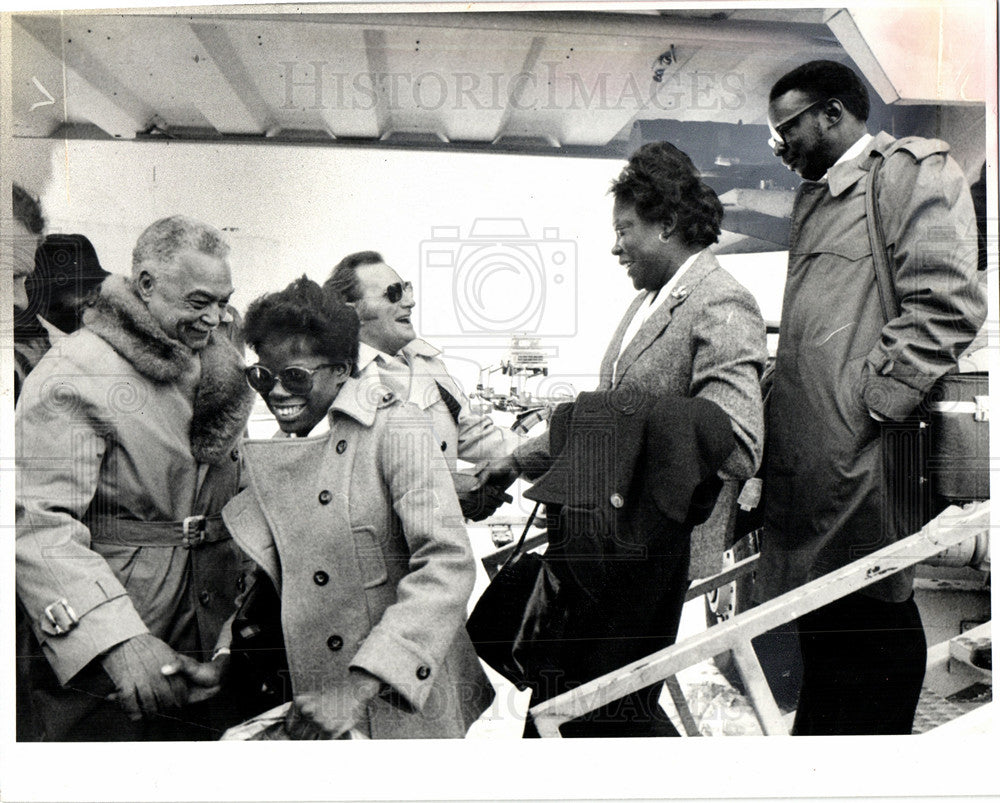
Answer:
(151, 678)
(481, 493)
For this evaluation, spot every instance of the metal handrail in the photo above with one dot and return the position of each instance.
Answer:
(950, 527)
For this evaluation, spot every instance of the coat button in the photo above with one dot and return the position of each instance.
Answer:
(321, 578)
(423, 672)
(341, 447)
(241, 583)
(444, 446)
(234, 455)
(325, 497)
(616, 500)
(204, 597)
(335, 643)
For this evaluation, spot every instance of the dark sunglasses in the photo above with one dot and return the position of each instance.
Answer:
(296, 380)
(394, 292)
(780, 130)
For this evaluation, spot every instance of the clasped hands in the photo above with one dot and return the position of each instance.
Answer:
(482, 493)
(150, 677)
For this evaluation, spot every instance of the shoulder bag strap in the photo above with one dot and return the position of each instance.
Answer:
(520, 542)
(880, 258)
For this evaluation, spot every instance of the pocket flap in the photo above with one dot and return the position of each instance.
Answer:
(371, 559)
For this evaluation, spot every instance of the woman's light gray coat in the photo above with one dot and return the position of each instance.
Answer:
(361, 532)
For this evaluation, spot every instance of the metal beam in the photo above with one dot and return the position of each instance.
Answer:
(240, 108)
(90, 90)
(950, 527)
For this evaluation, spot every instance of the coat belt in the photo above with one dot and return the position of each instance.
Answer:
(190, 532)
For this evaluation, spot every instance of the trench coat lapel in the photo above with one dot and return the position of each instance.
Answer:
(246, 522)
(655, 325)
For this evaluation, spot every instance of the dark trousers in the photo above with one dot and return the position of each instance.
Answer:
(639, 713)
(863, 665)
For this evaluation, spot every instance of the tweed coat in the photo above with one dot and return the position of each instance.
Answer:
(361, 533)
(706, 340)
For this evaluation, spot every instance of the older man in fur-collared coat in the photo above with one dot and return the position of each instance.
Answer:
(126, 453)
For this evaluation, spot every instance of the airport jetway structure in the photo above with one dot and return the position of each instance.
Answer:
(575, 83)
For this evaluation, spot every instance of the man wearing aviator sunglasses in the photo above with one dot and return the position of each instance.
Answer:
(841, 369)
(392, 355)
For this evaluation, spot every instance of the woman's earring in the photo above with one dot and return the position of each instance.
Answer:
(663, 238)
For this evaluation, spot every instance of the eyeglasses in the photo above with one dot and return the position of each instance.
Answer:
(295, 379)
(779, 130)
(394, 292)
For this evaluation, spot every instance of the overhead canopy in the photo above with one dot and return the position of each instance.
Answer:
(556, 79)
(580, 83)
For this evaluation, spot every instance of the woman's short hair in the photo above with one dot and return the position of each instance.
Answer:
(820, 80)
(665, 187)
(302, 311)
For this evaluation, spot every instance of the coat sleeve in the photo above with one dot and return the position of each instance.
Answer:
(729, 349)
(479, 439)
(407, 647)
(930, 231)
(60, 452)
(534, 457)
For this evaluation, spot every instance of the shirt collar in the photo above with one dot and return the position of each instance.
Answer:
(415, 348)
(672, 282)
(420, 348)
(855, 149)
(367, 355)
(847, 169)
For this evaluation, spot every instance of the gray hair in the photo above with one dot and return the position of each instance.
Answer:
(165, 238)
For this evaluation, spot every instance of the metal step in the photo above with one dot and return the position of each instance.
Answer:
(975, 649)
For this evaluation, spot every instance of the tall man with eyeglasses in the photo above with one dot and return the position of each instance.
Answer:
(126, 454)
(843, 372)
(391, 355)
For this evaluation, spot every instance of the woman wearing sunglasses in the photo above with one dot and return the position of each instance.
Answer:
(353, 517)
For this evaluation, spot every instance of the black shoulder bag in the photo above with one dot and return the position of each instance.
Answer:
(495, 622)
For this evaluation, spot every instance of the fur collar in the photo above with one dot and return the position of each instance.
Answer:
(223, 399)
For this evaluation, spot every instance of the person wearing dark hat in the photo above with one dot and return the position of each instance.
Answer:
(67, 278)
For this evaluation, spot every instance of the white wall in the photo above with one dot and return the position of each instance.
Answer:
(289, 210)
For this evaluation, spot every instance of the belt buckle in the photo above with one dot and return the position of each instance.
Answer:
(66, 619)
(191, 539)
